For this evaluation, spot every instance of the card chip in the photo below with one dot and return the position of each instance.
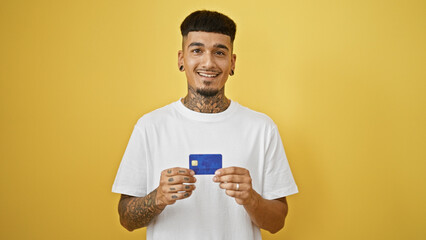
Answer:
(194, 163)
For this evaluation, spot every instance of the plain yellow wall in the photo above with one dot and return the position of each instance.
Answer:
(345, 82)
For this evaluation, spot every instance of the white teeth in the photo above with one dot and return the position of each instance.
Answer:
(207, 75)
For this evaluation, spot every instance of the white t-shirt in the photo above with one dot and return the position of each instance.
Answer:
(167, 136)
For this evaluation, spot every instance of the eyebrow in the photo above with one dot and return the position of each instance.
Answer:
(221, 46)
(198, 44)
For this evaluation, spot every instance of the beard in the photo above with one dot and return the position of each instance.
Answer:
(207, 92)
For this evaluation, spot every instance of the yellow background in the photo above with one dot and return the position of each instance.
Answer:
(345, 82)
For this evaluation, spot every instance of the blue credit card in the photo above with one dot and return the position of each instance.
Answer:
(205, 163)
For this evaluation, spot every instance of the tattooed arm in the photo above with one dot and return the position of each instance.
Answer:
(138, 212)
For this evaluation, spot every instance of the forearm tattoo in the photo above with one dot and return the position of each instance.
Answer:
(137, 212)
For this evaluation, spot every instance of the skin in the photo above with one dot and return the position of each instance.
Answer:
(137, 212)
(200, 103)
(208, 54)
(207, 60)
(266, 214)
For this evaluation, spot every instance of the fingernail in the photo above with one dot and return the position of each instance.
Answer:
(214, 179)
(217, 173)
(192, 173)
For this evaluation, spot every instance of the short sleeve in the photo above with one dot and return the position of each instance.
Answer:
(278, 179)
(131, 176)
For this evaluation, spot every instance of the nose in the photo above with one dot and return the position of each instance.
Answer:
(207, 61)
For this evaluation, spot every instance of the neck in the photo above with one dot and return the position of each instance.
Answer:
(206, 104)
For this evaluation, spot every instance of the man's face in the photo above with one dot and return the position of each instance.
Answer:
(207, 58)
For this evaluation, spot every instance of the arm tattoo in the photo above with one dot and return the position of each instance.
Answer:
(137, 212)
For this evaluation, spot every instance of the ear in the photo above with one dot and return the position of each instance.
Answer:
(180, 58)
(233, 60)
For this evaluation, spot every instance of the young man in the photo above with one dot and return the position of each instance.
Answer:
(158, 188)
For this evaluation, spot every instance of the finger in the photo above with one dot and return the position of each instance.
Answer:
(178, 188)
(237, 194)
(232, 179)
(178, 171)
(231, 171)
(234, 186)
(177, 196)
(178, 179)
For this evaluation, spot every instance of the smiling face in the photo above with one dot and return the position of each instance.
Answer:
(207, 58)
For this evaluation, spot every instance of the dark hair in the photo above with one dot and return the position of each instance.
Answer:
(208, 21)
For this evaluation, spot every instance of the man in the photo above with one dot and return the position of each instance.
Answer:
(158, 188)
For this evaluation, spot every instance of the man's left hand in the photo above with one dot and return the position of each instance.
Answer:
(237, 183)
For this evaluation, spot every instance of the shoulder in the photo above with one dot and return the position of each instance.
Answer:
(255, 117)
(156, 116)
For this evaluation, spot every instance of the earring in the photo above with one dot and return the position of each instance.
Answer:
(231, 73)
(181, 68)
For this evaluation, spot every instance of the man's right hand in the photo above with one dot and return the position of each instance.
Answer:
(172, 187)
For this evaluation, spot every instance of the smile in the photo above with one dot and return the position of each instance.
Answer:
(211, 75)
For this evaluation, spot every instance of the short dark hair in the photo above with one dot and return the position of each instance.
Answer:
(208, 21)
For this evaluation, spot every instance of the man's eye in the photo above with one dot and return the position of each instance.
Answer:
(196, 50)
(220, 53)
